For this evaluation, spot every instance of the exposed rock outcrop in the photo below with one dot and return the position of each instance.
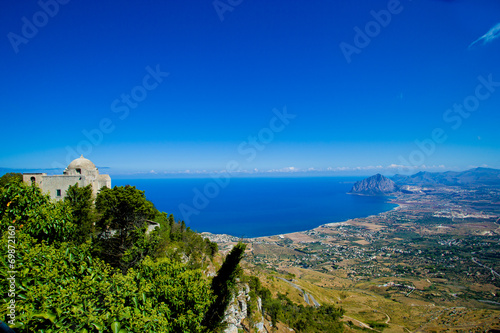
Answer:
(259, 324)
(237, 312)
(374, 185)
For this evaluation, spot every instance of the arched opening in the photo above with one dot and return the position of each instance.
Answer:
(33, 180)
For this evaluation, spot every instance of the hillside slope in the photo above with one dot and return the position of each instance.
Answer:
(374, 185)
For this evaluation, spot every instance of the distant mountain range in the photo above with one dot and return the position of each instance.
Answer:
(480, 176)
(380, 185)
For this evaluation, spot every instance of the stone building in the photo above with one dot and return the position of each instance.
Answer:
(80, 171)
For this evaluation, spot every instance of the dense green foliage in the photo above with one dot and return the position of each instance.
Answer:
(65, 281)
(11, 177)
(122, 225)
(34, 213)
(175, 240)
(66, 289)
(80, 201)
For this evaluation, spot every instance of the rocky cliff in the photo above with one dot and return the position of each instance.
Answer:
(239, 318)
(236, 312)
(374, 185)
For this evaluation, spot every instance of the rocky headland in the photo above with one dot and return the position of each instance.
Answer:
(374, 185)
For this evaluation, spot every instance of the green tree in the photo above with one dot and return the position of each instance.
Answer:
(25, 207)
(211, 248)
(171, 222)
(325, 318)
(11, 178)
(65, 289)
(122, 226)
(223, 287)
(81, 202)
(273, 309)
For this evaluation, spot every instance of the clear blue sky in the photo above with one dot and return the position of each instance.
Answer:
(359, 104)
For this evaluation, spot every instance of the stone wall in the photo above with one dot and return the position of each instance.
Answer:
(30, 178)
(51, 185)
(57, 185)
(102, 181)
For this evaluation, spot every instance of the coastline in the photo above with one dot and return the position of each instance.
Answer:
(265, 207)
(387, 256)
(353, 221)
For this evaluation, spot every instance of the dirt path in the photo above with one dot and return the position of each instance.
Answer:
(360, 323)
(308, 298)
(480, 264)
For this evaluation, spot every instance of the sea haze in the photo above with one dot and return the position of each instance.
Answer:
(252, 207)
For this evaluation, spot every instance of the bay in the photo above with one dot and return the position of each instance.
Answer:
(253, 207)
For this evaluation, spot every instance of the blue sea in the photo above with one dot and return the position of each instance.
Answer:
(252, 207)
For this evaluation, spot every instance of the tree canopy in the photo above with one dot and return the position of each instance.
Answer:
(26, 207)
(122, 225)
(80, 201)
(67, 285)
(10, 178)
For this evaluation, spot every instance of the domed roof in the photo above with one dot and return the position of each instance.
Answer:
(82, 163)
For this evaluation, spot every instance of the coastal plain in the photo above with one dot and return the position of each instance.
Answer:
(432, 264)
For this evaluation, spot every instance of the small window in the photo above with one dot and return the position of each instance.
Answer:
(79, 171)
(33, 180)
(58, 193)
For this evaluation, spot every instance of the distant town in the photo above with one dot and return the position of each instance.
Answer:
(436, 255)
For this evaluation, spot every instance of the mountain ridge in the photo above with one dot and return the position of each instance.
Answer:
(374, 185)
(480, 175)
(381, 185)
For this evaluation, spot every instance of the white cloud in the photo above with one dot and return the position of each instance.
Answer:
(288, 169)
(341, 169)
(370, 167)
(397, 166)
(488, 37)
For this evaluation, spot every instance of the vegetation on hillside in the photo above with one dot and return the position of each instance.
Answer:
(85, 265)
(68, 278)
(301, 318)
